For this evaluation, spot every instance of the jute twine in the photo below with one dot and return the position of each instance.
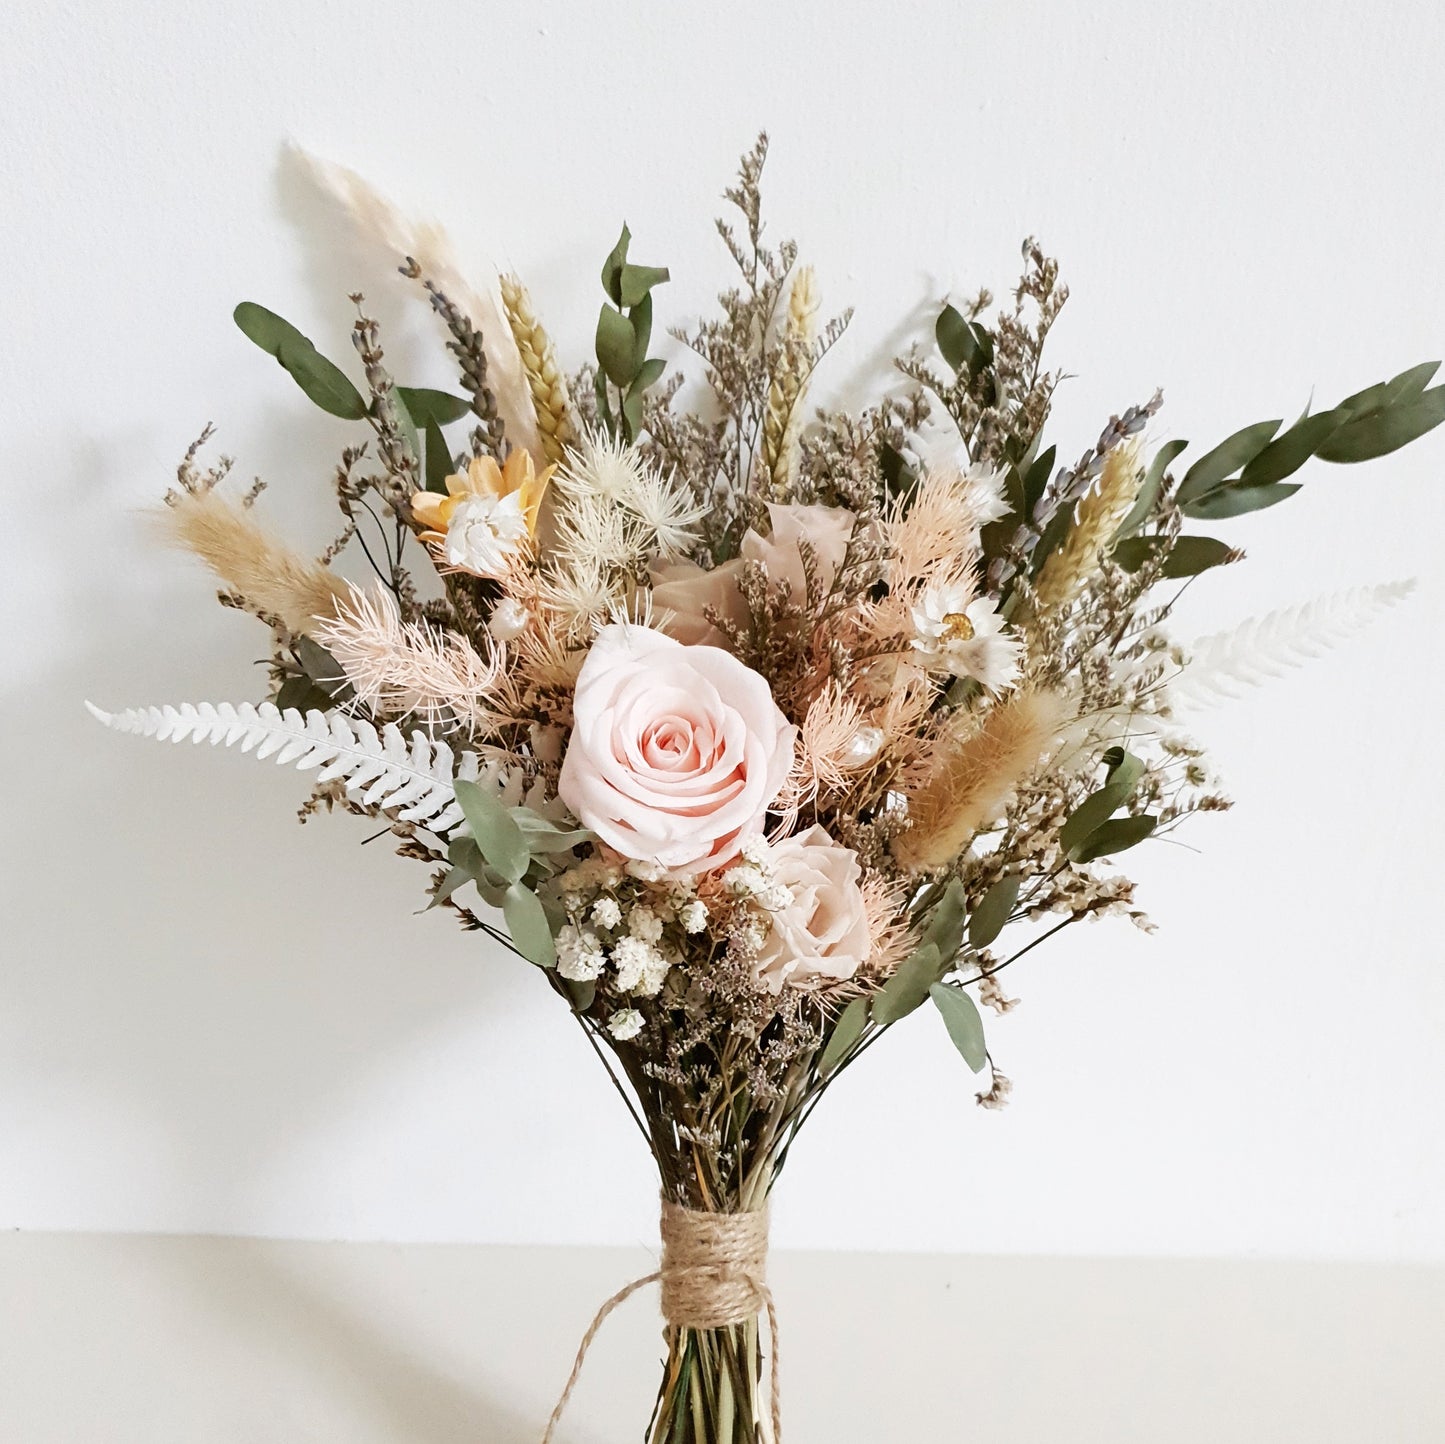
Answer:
(713, 1275)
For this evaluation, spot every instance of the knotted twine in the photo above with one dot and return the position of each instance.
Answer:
(713, 1275)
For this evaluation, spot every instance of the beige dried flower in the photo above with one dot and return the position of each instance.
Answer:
(269, 576)
(976, 774)
(1100, 511)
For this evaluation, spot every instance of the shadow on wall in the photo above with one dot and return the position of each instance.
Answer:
(187, 987)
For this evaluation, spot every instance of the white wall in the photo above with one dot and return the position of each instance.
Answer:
(212, 1020)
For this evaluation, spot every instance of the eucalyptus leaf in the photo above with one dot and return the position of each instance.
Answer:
(1237, 500)
(909, 986)
(426, 404)
(612, 267)
(1115, 836)
(1383, 393)
(993, 912)
(464, 853)
(1094, 811)
(1037, 478)
(1379, 433)
(439, 462)
(265, 328)
(846, 1032)
(640, 319)
(1225, 459)
(495, 831)
(322, 380)
(635, 282)
(457, 877)
(615, 346)
(407, 423)
(1286, 454)
(632, 413)
(945, 927)
(648, 374)
(582, 992)
(527, 924)
(1150, 488)
(961, 1018)
(1188, 557)
(321, 667)
(304, 695)
(955, 338)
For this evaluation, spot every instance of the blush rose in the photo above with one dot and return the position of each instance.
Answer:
(676, 751)
(822, 934)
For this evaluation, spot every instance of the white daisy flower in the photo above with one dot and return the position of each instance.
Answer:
(965, 636)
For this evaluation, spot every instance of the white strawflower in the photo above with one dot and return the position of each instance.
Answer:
(579, 954)
(624, 1024)
(509, 619)
(965, 636)
(484, 533)
(645, 924)
(606, 913)
(694, 916)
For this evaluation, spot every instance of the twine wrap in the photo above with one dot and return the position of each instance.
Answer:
(713, 1275)
(714, 1267)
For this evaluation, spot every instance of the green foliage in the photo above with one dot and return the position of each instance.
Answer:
(965, 1027)
(1114, 836)
(624, 332)
(1188, 557)
(439, 463)
(495, 831)
(1247, 471)
(846, 1033)
(1090, 820)
(909, 986)
(527, 923)
(993, 912)
(322, 380)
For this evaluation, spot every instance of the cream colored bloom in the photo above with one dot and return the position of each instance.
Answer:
(819, 925)
(957, 633)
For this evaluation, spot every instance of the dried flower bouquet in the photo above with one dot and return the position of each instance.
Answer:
(763, 725)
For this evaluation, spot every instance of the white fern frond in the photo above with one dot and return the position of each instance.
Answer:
(429, 245)
(379, 769)
(1222, 667)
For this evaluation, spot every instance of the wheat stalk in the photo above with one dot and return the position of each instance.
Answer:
(1100, 511)
(783, 417)
(539, 362)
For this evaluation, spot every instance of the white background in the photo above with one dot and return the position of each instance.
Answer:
(212, 1020)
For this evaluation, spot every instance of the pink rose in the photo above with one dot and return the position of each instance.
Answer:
(822, 934)
(681, 592)
(676, 752)
(825, 528)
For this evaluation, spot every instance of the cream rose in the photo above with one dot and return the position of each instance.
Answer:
(676, 752)
(821, 935)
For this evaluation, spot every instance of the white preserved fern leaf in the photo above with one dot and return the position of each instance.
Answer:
(1222, 667)
(379, 769)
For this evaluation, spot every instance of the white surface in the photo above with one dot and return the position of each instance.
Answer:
(173, 1341)
(211, 1020)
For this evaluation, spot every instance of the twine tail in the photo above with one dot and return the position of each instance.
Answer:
(620, 1297)
(777, 1392)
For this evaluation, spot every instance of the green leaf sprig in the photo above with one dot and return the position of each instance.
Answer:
(624, 332)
